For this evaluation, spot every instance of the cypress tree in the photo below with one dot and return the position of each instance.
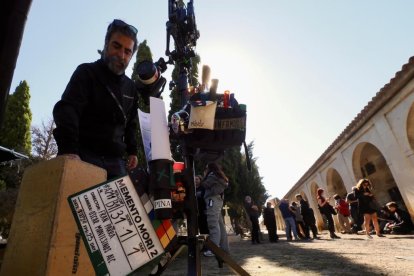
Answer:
(15, 132)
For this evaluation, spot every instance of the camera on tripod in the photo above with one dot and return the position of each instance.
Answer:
(208, 137)
(181, 25)
(172, 186)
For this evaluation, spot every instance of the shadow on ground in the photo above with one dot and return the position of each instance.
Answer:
(282, 258)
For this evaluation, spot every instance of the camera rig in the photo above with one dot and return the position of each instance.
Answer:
(181, 26)
(229, 123)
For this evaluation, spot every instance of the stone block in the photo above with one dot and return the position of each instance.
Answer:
(44, 239)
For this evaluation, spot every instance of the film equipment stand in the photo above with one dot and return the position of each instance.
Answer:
(182, 27)
(194, 240)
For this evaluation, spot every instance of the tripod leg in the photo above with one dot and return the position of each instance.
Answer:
(168, 259)
(194, 261)
(223, 256)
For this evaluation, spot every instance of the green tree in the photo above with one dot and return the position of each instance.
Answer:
(15, 132)
(242, 182)
(252, 183)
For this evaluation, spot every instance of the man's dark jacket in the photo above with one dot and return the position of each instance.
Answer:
(269, 217)
(89, 118)
(307, 212)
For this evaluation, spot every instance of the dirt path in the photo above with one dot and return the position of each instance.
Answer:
(351, 255)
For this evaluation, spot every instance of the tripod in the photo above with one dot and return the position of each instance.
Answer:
(194, 240)
(182, 27)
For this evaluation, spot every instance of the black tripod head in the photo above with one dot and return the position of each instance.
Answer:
(181, 26)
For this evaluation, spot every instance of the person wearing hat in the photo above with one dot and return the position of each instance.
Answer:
(96, 118)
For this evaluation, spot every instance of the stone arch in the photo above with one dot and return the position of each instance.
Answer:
(410, 127)
(280, 224)
(369, 162)
(319, 220)
(335, 184)
(314, 188)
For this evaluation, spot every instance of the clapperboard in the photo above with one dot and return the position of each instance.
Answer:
(118, 227)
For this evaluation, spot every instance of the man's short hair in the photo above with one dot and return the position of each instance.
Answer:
(298, 195)
(119, 26)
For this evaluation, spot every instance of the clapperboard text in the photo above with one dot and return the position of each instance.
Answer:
(114, 224)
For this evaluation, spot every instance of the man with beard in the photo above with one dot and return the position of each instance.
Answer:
(96, 118)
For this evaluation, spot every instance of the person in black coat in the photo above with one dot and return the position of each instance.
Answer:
(308, 217)
(366, 201)
(253, 213)
(327, 210)
(96, 118)
(403, 223)
(270, 222)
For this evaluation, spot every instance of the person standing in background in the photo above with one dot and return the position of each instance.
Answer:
(366, 207)
(253, 213)
(289, 218)
(270, 222)
(300, 225)
(327, 210)
(342, 208)
(308, 217)
(353, 207)
(215, 182)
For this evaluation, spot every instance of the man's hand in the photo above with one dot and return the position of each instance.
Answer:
(132, 162)
(72, 156)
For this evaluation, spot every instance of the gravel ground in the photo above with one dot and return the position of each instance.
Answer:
(350, 255)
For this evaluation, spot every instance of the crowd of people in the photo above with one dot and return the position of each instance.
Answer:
(365, 212)
(357, 213)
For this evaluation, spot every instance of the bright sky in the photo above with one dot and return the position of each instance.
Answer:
(304, 68)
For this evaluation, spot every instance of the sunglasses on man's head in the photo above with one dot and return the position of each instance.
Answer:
(122, 24)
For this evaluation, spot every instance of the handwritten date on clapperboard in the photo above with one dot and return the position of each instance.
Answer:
(115, 227)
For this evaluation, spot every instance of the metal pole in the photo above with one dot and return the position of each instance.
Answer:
(194, 262)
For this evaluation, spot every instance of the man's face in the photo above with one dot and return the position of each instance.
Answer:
(118, 52)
